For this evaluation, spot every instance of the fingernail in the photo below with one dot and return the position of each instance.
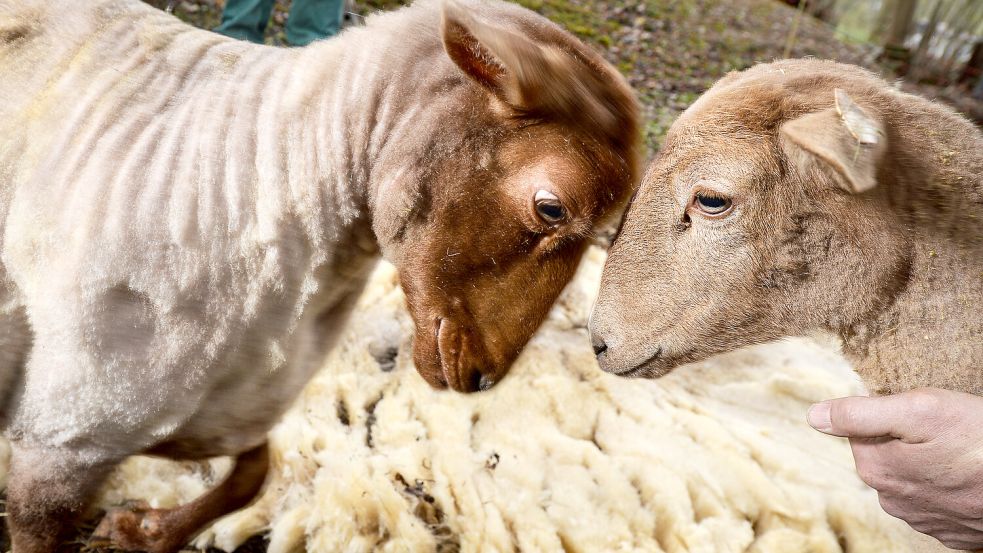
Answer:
(818, 417)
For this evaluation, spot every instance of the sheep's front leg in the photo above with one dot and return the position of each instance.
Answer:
(168, 530)
(47, 491)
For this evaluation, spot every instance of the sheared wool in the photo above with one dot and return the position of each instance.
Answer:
(715, 457)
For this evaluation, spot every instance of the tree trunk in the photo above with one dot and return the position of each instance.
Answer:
(902, 16)
(973, 72)
(823, 10)
(918, 57)
(978, 89)
(959, 36)
(879, 32)
(895, 53)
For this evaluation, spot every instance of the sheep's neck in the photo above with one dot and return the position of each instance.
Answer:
(333, 126)
(364, 104)
(931, 332)
(311, 148)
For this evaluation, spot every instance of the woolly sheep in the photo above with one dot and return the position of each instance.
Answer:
(803, 195)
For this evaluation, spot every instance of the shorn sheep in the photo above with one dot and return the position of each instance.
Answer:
(558, 457)
(188, 219)
(805, 195)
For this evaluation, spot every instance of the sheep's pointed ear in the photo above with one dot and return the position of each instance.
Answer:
(844, 138)
(528, 75)
(468, 52)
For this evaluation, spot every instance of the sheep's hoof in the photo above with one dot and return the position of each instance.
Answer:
(135, 527)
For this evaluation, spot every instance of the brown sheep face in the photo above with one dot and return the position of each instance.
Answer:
(759, 219)
(493, 225)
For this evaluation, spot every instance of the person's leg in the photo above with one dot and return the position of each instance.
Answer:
(311, 20)
(245, 19)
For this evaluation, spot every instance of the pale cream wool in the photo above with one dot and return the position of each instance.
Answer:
(715, 457)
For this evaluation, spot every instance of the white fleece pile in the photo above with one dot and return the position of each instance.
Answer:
(715, 457)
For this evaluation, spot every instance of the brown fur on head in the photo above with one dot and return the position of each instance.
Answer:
(790, 197)
(537, 125)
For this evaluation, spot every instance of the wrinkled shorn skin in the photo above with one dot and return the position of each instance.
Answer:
(187, 220)
(844, 205)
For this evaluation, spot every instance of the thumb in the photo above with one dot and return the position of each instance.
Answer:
(861, 417)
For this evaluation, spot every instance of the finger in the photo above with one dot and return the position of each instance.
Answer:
(864, 417)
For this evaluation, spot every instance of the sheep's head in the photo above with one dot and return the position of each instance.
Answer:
(534, 141)
(762, 217)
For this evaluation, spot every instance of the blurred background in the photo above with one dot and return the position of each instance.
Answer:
(673, 50)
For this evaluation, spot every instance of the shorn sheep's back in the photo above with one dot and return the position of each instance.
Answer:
(122, 93)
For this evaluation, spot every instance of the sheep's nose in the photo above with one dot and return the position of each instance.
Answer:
(486, 383)
(599, 345)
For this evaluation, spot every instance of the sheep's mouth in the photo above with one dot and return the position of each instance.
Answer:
(448, 352)
(456, 350)
(655, 366)
(440, 356)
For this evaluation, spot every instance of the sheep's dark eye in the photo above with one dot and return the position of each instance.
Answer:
(550, 212)
(549, 208)
(711, 205)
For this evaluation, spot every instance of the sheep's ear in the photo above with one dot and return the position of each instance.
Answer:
(844, 138)
(527, 75)
(459, 31)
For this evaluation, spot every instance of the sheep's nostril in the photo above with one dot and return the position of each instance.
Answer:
(599, 346)
(474, 382)
(485, 383)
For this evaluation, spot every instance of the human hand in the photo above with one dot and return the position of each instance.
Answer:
(922, 450)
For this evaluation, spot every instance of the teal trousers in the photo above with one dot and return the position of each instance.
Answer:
(309, 20)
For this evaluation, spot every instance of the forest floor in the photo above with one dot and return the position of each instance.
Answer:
(671, 51)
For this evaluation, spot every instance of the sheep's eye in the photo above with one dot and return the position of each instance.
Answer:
(551, 212)
(711, 205)
(549, 208)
